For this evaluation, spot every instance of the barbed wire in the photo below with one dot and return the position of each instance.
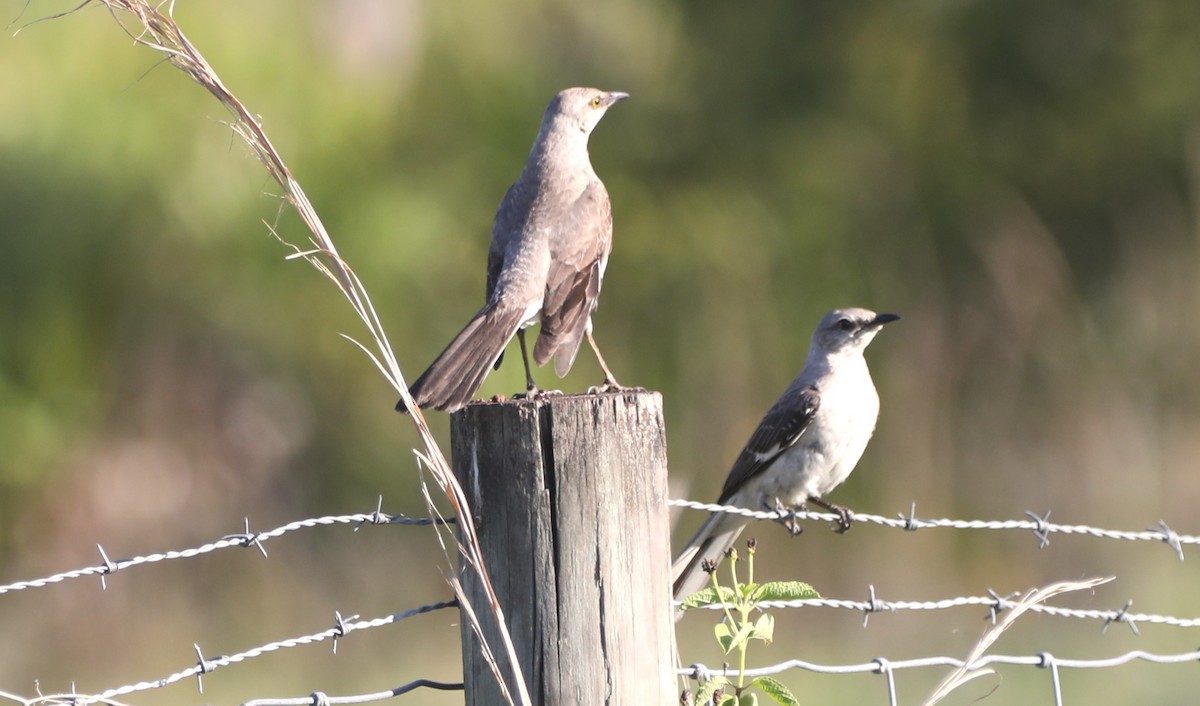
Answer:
(994, 602)
(341, 628)
(242, 539)
(1040, 525)
(881, 665)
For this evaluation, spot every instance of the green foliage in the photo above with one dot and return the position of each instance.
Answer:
(776, 690)
(738, 628)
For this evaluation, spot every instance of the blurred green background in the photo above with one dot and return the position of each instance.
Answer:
(1020, 180)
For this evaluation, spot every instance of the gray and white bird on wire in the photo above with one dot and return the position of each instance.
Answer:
(805, 446)
(550, 243)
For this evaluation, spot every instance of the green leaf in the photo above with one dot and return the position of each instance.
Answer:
(776, 690)
(785, 591)
(748, 700)
(724, 636)
(764, 628)
(745, 589)
(731, 640)
(705, 692)
(710, 596)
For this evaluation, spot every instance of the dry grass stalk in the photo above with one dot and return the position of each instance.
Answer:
(967, 672)
(157, 30)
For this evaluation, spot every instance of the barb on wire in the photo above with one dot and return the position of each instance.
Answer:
(241, 539)
(109, 568)
(1041, 527)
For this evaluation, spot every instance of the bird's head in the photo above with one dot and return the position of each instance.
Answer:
(580, 108)
(849, 329)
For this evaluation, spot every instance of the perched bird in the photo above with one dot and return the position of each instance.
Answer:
(550, 243)
(804, 447)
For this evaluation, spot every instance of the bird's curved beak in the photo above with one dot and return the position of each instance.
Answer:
(881, 319)
(616, 96)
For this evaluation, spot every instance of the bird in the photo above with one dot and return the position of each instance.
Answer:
(551, 238)
(805, 446)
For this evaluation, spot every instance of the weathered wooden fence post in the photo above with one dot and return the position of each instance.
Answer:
(569, 495)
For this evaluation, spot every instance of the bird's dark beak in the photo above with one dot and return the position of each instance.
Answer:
(881, 319)
(616, 96)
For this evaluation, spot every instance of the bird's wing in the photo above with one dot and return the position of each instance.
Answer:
(579, 250)
(509, 222)
(780, 429)
(506, 226)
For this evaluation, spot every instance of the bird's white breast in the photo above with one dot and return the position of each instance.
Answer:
(826, 453)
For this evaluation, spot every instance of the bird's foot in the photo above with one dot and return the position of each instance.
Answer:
(611, 385)
(845, 516)
(845, 519)
(787, 517)
(537, 393)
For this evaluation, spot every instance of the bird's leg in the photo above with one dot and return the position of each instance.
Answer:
(531, 388)
(787, 516)
(845, 514)
(532, 391)
(610, 381)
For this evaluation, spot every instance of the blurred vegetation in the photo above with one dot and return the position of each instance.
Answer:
(1020, 180)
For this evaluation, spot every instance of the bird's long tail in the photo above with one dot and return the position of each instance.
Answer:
(712, 540)
(454, 377)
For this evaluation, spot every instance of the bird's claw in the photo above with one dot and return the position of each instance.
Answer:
(788, 518)
(610, 385)
(845, 516)
(844, 520)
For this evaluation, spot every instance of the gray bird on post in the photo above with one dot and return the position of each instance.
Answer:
(550, 243)
(804, 447)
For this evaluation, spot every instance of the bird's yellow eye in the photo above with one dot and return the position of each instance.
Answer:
(597, 101)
